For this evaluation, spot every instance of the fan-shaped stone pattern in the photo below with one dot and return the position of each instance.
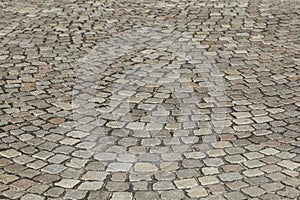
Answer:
(73, 128)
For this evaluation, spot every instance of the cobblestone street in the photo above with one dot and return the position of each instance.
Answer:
(150, 100)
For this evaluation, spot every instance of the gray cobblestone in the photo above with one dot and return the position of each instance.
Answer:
(153, 100)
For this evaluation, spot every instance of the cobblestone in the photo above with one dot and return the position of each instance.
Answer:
(197, 192)
(253, 191)
(149, 99)
(186, 183)
(67, 183)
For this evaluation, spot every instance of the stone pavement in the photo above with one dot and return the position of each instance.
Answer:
(145, 100)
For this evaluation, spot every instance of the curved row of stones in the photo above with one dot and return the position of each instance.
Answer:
(142, 108)
(149, 100)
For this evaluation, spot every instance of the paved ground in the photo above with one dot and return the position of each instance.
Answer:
(144, 100)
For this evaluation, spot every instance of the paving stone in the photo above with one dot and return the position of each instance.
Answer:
(269, 151)
(47, 178)
(32, 197)
(235, 159)
(58, 159)
(10, 153)
(257, 180)
(236, 185)
(23, 184)
(216, 153)
(210, 170)
(164, 185)
(253, 191)
(38, 188)
(290, 173)
(151, 142)
(54, 169)
(67, 183)
(90, 185)
(119, 176)
(254, 163)
(7, 178)
(243, 121)
(54, 192)
(121, 196)
(213, 162)
(270, 168)
(293, 182)
(76, 163)
(72, 173)
(94, 175)
(262, 119)
(146, 195)
(197, 192)
(122, 167)
(289, 192)
(208, 180)
(285, 155)
(192, 164)
(185, 173)
(216, 189)
(277, 176)
(139, 186)
(221, 144)
(75, 194)
(235, 195)
(145, 167)
(105, 156)
(23, 159)
(12, 194)
(186, 183)
(231, 176)
(135, 126)
(253, 172)
(14, 168)
(253, 155)
(43, 155)
(153, 96)
(172, 194)
(117, 186)
(272, 186)
(289, 164)
(271, 196)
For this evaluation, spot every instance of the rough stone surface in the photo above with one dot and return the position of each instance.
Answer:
(168, 99)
